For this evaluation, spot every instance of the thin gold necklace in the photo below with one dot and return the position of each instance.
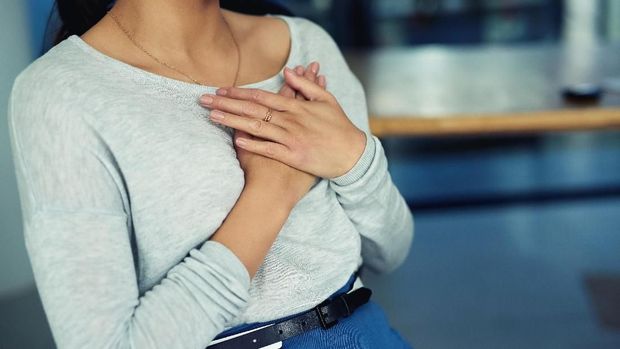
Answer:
(132, 39)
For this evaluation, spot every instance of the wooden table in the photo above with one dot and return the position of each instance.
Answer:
(439, 90)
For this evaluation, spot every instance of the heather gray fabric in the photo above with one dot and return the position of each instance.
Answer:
(122, 179)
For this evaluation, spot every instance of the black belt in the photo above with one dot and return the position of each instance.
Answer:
(324, 315)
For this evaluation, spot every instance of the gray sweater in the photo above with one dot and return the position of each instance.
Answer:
(123, 179)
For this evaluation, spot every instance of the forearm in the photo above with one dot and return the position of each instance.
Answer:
(85, 274)
(91, 295)
(376, 208)
(254, 222)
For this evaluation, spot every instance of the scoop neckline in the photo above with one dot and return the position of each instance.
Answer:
(185, 85)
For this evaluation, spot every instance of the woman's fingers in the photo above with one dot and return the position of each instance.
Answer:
(242, 134)
(308, 89)
(266, 148)
(286, 91)
(311, 72)
(255, 127)
(246, 101)
(255, 102)
(322, 81)
(302, 72)
(299, 70)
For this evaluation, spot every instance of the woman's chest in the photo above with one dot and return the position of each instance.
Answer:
(181, 177)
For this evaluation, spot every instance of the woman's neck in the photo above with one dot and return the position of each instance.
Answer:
(188, 27)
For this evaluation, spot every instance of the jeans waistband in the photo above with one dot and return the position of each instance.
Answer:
(247, 327)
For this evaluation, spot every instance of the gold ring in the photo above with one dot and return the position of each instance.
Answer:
(268, 115)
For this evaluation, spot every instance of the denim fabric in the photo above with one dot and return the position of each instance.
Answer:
(367, 327)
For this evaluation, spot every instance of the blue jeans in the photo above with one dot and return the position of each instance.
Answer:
(367, 327)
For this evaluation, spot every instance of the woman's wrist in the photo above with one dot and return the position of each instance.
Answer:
(362, 165)
(253, 224)
(274, 192)
(358, 146)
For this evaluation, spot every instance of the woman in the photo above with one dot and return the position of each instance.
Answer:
(148, 221)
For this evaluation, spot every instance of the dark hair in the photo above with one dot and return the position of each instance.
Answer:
(77, 16)
(69, 17)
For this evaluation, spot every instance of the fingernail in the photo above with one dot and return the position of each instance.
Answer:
(314, 67)
(322, 79)
(241, 142)
(221, 91)
(217, 115)
(206, 99)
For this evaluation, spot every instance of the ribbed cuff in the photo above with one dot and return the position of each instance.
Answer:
(230, 264)
(361, 166)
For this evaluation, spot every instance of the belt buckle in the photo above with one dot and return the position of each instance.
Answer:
(323, 316)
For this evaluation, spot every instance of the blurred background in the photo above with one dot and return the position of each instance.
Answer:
(515, 189)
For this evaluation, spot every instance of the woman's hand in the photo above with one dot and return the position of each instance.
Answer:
(312, 134)
(311, 73)
(258, 168)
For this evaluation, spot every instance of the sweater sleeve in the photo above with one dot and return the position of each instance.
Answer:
(79, 241)
(366, 192)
